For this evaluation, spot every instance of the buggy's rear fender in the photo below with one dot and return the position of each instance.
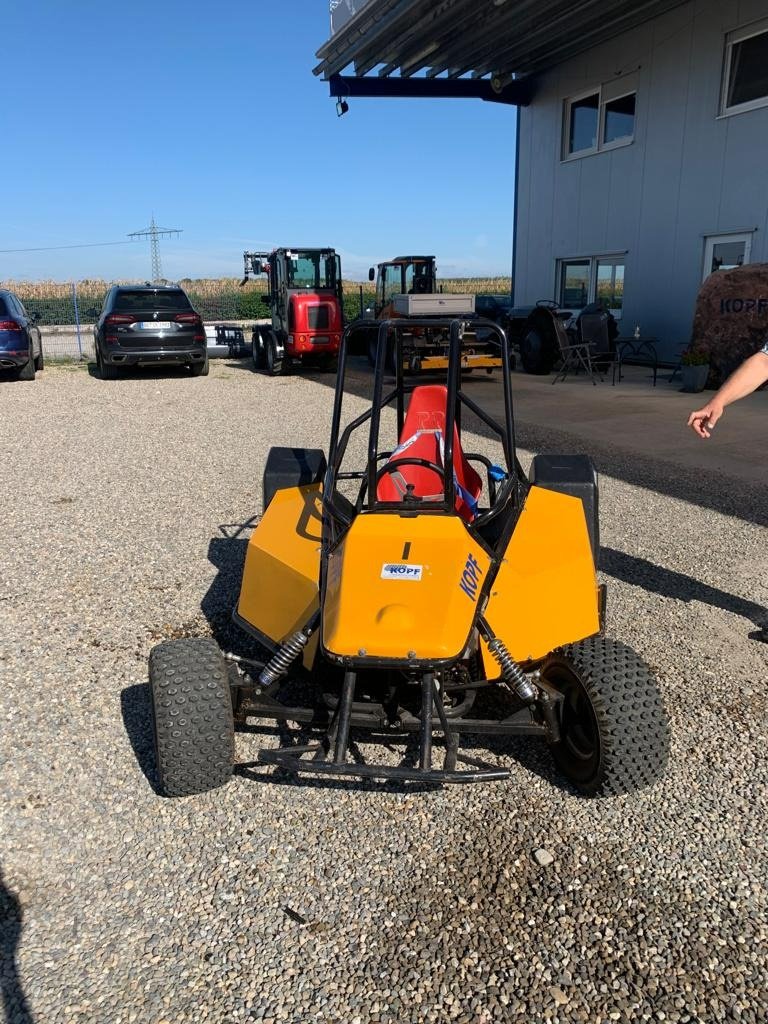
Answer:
(545, 593)
(279, 592)
(403, 588)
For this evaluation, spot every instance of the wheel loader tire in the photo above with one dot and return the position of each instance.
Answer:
(291, 467)
(257, 349)
(192, 713)
(536, 353)
(614, 728)
(276, 367)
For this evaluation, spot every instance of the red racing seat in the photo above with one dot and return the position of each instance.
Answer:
(423, 437)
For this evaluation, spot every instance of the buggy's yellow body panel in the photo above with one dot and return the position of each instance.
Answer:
(545, 593)
(407, 587)
(279, 592)
(403, 587)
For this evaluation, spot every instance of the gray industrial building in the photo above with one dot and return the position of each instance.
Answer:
(642, 133)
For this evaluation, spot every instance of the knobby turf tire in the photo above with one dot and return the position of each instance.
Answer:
(193, 724)
(630, 720)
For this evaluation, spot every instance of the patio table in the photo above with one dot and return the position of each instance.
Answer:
(636, 351)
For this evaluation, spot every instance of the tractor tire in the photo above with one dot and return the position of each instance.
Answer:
(257, 349)
(389, 358)
(200, 369)
(194, 729)
(536, 354)
(614, 728)
(275, 367)
(27, 372)
(372, 345)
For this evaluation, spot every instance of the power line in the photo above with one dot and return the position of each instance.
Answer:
(79, 245)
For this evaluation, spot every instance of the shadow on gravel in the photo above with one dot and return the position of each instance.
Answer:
(136, 709)
(14, 1001)
(668, 583)
(246, 363)
(226, 553)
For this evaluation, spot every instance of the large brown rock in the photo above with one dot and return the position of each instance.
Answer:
(731, 318)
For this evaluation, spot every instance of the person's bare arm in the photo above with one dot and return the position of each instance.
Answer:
(750, 375)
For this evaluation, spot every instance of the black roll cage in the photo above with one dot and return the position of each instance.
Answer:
(337, 511)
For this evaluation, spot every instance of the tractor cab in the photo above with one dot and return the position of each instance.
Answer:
(405, 275)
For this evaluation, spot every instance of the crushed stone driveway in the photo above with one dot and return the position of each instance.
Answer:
(273, 900)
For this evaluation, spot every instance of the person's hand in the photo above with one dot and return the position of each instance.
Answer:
(703, 420)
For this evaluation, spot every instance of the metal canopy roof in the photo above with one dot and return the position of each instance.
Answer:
(506, 39)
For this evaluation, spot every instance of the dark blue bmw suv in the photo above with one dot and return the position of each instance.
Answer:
(21, 345)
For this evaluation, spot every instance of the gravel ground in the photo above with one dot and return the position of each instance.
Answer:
(346, 903)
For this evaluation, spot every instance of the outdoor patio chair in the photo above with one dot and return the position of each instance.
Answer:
(574, 357)
(593, 328)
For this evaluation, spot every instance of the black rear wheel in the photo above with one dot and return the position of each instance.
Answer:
(276, 365)
(106, 370)
(257, 349)
(39, 362)
(27, 372)
(536, 353)
(200, 369)
(192, 712)
(614, 728)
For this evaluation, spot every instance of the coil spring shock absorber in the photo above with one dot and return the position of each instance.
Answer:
(511, 672)
(281, 661)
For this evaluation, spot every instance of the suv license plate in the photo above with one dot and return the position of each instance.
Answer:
(154, 325)
(320, 339)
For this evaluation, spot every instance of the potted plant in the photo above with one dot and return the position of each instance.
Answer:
(695, 370)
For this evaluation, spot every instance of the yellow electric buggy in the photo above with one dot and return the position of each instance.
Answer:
(418, 592)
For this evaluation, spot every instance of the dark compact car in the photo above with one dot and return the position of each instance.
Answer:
(149, 324)
(21, 346)
(493, 307)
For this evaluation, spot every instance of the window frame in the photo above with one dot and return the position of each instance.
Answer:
(725, 236)
(613, 258)
(732, 39)
(605, 94)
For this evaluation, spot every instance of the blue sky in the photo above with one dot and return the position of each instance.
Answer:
(208, 116)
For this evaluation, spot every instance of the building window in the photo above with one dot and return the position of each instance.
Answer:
(745, 76)
(582, 124)
(619, 120)
(593, 279)
(726, 252)
(603, 118)
(609, 284)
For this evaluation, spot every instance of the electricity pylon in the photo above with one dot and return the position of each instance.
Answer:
(153, 232)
